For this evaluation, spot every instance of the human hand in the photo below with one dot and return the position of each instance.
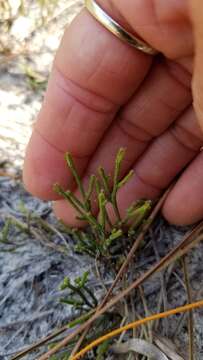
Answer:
(104, 94)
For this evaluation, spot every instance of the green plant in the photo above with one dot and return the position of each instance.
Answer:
(104, 232)
(35, 80)
(5, 231)
(80, 295)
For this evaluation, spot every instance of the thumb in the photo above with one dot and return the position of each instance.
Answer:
(197, 19)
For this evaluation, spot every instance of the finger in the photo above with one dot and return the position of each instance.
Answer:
(184, 204)
(163, 160)
(137, 124)
(148, 114)
(91, 70)
(196, 6)
(157, 21)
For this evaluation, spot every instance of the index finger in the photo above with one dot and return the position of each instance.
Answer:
(93, 75)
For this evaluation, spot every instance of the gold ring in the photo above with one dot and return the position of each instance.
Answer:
(110, 24)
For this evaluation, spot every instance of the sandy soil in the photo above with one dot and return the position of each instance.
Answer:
(30, 270)
(32, 45)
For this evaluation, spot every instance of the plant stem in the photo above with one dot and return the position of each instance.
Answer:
(77, 290)
(70, 198)
(72, 167)
(102, 210)
(105, 180)
(90, 191)
(88, 290)
(118, 161)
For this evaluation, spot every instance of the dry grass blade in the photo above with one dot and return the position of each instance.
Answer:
(6, 174)
(39, 343)
(167, 347)
(147, 312)
(80, 341)
(123, 268)
(141, 347)
(163, 301)
(188, 242)
(190, 314)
